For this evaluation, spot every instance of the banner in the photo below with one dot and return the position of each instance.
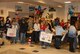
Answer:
(46, 37)
(11, 32)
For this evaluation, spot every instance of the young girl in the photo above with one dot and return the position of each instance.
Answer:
(43, 27)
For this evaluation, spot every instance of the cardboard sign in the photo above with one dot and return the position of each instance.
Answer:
(11, 32)
(46, 37)
(78, 32)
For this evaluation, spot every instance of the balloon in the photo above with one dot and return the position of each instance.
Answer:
(37, 12)
(39, 7)
(71, 10)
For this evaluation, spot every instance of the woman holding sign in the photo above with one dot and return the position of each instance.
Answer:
(6, 26)
(15, 26)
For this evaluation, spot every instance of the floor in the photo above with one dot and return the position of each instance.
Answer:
(27, 49)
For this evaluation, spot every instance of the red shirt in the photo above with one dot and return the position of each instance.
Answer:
(62, 24)
(42, 27)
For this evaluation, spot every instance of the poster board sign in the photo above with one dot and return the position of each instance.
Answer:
(63, 37)
(46, 37)
(78, 32)
(11, 32)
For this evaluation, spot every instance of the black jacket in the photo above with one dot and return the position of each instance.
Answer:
(23, 26)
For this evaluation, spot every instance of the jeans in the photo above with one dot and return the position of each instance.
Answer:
(36, 36)
(17, 36)
(57, 41)
(15, 39)
(71, 44)
(44, 44)
(75, 43)
(79, 40)
(22, 38)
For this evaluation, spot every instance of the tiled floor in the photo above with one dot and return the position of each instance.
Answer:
(15, 49)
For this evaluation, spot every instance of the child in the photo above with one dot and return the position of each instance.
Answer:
(45, 27)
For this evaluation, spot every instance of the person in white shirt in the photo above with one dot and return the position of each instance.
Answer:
(36, 31)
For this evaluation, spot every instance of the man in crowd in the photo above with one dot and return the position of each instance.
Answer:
(72, 38)
(36, 31)
(23, 29)
(59, 33)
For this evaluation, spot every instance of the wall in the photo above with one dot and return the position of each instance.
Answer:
(3, 7)
(60, 12)
(10, 7)
(76, 6)
(46, 12)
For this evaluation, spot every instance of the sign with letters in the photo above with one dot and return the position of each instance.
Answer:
(11, 32)
(46, 37)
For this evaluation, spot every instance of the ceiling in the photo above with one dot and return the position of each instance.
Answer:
(62, 1)
(54, 3)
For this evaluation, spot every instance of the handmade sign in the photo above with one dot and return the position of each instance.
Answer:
(46, 37)
(11, 32)
(78, 32)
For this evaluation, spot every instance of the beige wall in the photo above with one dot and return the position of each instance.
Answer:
(10, 7)
(76, 5)
(60, 12)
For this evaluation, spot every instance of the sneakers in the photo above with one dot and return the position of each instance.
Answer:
(71, 50)
(44, 47)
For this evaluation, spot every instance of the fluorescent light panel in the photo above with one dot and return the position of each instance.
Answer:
(20, 2)
(41, 2)
(60, 6)
(67, 2)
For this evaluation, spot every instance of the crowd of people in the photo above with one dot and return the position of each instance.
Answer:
(31, 27)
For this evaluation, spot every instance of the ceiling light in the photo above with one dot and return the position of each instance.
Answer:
(20, 2)
(41, 2)
(60, 6)
(67, 2)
